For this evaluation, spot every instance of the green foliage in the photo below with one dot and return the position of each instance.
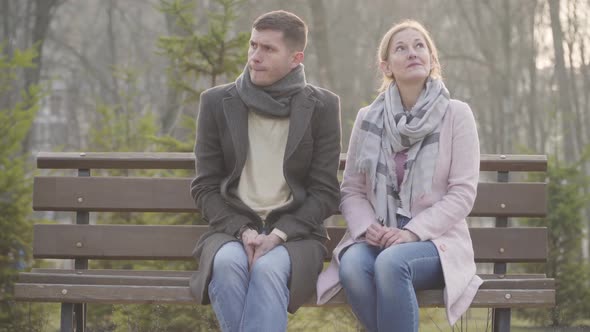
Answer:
(169, 143)
(121, 131)
(339, 319)
(122, 127)
(16, 118)
(194, 55)
(164, 318)
(125, 128)
(564, 221)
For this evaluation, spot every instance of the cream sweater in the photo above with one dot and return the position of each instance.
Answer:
(262, 185)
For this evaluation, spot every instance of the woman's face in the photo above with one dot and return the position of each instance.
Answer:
(409, 59)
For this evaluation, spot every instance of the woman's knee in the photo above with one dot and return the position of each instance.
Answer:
(355, 263)
(391, 264)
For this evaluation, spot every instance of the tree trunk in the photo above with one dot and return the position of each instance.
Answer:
(112, 44)
(319, 31)
(563, 93)
(534, 140)
(493, 133)
(173, 102)
(507, 116)
(43, 10)
(7, 27)
(41, 24)
(8, 42)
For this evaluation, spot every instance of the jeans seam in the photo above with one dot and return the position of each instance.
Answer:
(219, 313)
(422, 259)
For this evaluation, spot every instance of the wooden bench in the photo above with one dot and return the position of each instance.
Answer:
(81, 242)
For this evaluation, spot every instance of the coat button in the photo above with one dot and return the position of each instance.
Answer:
(443, 247)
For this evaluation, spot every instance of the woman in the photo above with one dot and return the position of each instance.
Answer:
(410, 181)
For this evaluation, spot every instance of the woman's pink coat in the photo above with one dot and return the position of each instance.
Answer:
(438, 216)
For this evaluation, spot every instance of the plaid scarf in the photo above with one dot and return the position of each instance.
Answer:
(388, 129)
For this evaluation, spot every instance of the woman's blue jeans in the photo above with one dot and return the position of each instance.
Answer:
(381, 284)
(253, 300)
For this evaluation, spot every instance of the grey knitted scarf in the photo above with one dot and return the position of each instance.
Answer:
(273, 100)
(387, 129)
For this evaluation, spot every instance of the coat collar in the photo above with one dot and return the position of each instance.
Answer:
(236, 115)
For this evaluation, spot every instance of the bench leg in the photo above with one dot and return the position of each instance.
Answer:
(80, 316)
(67, 317)
(501, 319)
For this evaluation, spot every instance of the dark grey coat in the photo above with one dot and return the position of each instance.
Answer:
(310, 167)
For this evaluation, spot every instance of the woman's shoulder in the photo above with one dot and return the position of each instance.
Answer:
(360, 115)
(363, 111)
(460, 110)
(459, 107)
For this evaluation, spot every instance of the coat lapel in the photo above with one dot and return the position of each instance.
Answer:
(302, 108)
(236, 115)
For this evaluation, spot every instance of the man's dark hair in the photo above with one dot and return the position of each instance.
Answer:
(293, 28)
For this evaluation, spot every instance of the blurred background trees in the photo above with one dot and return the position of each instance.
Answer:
(106, 75)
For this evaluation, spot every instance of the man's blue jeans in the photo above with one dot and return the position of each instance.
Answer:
(253, 300)
(380, 283)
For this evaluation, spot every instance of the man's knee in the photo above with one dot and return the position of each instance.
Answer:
(274, 266)
(230, 258)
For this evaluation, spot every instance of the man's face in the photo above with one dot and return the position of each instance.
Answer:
(269, 57)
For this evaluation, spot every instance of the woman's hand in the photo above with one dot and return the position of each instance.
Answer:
(397, 236)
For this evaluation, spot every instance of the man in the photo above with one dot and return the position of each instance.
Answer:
(267, 154)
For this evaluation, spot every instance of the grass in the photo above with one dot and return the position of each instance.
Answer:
(431, 320)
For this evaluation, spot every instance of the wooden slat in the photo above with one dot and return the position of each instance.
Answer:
(103, 293)
(116, 160)
(485, 298)
(513, 163)
(98, 279)
(511, 276)
(181, 295)
(181, 160)
(138, 279)
(510, 200)
(510, 244)
(145, 273)
(177, 242)
(173, 195)
(112, 194)
(187, 274)
(115, 241)
(533, 283)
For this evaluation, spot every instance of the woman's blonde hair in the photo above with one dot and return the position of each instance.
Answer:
(383, 52)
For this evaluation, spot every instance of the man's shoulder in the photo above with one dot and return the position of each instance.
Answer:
(322, 94)
(219, 91)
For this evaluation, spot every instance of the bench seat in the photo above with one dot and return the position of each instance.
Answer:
(121, 287)
(83, 242)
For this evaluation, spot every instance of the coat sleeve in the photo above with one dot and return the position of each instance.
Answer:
(458, 201)
(321, 185)
(210, 171)
(355, 206)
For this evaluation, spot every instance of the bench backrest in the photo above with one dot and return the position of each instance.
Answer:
(85, 193)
